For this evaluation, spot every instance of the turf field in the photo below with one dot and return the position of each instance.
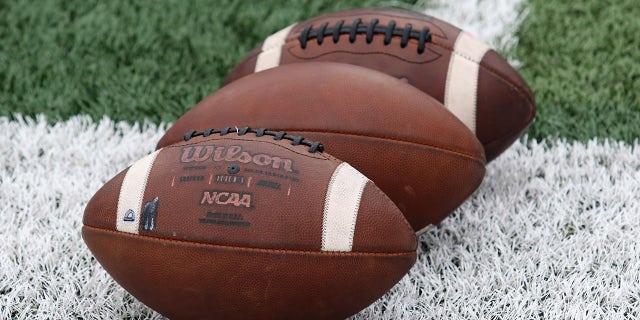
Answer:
(88, 87)
(581, 58)
(154, 60)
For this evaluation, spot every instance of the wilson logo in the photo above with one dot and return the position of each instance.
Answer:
(223, 198)
(233, 154)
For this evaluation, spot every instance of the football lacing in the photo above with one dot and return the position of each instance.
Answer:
(314, 146)
(357, 27)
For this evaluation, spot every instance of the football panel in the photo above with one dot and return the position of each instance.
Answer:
(425, 183)
(274, 200)
(374, 213)
(236, 191)
(193, 281)
(503, 113)
(341, 99)
(493, 62)
(101, 209)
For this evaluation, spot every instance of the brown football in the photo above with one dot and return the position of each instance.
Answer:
(467, 76)
(248, 224)
(416, 151)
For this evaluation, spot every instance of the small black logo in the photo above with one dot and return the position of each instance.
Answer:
(129, 216)
(149, 213)
(233, 169)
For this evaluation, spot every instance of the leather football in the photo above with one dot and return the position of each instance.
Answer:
(248, 223)
(466, 75)
(424, 158)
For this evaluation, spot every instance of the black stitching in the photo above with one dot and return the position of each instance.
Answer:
(425, 36)
(303, 37)
(389, 32)
(353, 31)
(208, 132)
(242, 131)
(297, 140)
(406, 31)
(336, 31)
(189, 135)
(314, 146)
(279, 135)
(225, 131)
(323, 28)
(369, 29)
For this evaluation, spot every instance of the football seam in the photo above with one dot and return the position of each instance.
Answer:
(442, 149)
(327, 153)
(253, 249)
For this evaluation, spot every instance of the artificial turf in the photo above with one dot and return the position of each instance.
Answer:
(582, 59)
(155, 59)
(131, 60)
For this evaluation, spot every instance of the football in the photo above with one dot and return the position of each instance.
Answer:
(416, 151)
(466, 75)
(242, 223)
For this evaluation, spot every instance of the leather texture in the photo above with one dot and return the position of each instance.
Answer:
(258, 255)
(415, 151)
(505, 106)
(189, 280)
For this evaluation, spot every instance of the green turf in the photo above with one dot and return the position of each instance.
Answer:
(131, 59)
(155, 59)
(582, 59)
